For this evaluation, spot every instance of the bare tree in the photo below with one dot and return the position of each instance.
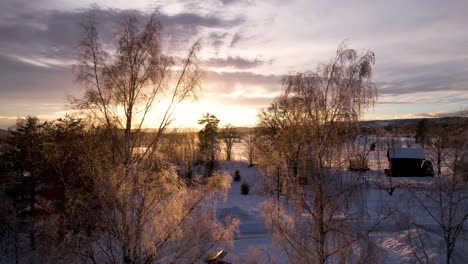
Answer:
(249, 142)
(230, 136)
(151, 213)
(438, 145)
(132, 80)
(309, 125)
(167, 221)
(181, 149)
(445, 201)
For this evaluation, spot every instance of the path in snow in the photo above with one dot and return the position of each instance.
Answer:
(245, 207)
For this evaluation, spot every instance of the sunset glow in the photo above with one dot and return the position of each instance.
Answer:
(421, 58)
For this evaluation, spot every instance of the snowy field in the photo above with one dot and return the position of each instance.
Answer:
(392, 236)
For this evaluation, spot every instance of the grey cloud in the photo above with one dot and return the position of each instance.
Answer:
(195, 20)
(225, 82)
(405, 79)
(235, 62)
(217, 39)
(232, 2)
(56, 33)
(181, 28)
(421, 85)
(228, 2)
(382, 19)
(25, 82)
(235, 39)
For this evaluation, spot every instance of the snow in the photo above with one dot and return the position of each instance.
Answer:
(252, 231)
(406, 153)
(392, 235)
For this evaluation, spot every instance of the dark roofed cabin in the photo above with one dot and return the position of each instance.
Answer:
(405, 162)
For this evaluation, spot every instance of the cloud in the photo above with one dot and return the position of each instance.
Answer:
(235, 39)
(25, 81)
(37, 48)
(256, 102)
(246, 82)
(216, 39)
(235, 62)
(55, 34)
(420, 48)
(196, 20)
(445, 75)
(233, 2)
(436, 114)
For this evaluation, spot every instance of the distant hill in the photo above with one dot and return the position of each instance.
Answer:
(412, 122)
(396, 123)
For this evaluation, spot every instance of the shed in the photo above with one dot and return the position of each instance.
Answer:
(405, 162)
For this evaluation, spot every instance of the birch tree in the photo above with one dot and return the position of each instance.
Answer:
(123, 86)
(151, 214)
(309, 125)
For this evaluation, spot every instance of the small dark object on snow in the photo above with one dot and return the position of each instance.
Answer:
(245, 188)
(237, 176)
(372, 147)
(216, 257)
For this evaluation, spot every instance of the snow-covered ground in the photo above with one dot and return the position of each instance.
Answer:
(252, 230)
(392, 237)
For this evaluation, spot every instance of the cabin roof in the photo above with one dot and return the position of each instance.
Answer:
(405, 153)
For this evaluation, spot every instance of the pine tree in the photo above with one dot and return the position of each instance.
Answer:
(237, 176)
(421, 132)
(245, 188)
(208, 140)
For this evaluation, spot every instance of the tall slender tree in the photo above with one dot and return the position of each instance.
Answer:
(208, 140)
(310, 126)
(150, 212)
(124, 86)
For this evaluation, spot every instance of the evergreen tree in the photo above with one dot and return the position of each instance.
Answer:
(245, 188)
(237, 176)
(421, 132)
(208, 140)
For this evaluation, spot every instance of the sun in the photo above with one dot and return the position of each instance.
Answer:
(186, 114)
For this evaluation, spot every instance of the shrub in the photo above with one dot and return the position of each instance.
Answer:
(245, 188)
(237, 176)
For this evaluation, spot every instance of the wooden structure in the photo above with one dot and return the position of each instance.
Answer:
(406, 162)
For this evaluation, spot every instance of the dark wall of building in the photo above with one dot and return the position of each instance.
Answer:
(406, 167)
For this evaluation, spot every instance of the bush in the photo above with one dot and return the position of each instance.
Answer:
(237, 176)
(245, 188)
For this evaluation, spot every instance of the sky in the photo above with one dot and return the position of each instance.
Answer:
(421, 67)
